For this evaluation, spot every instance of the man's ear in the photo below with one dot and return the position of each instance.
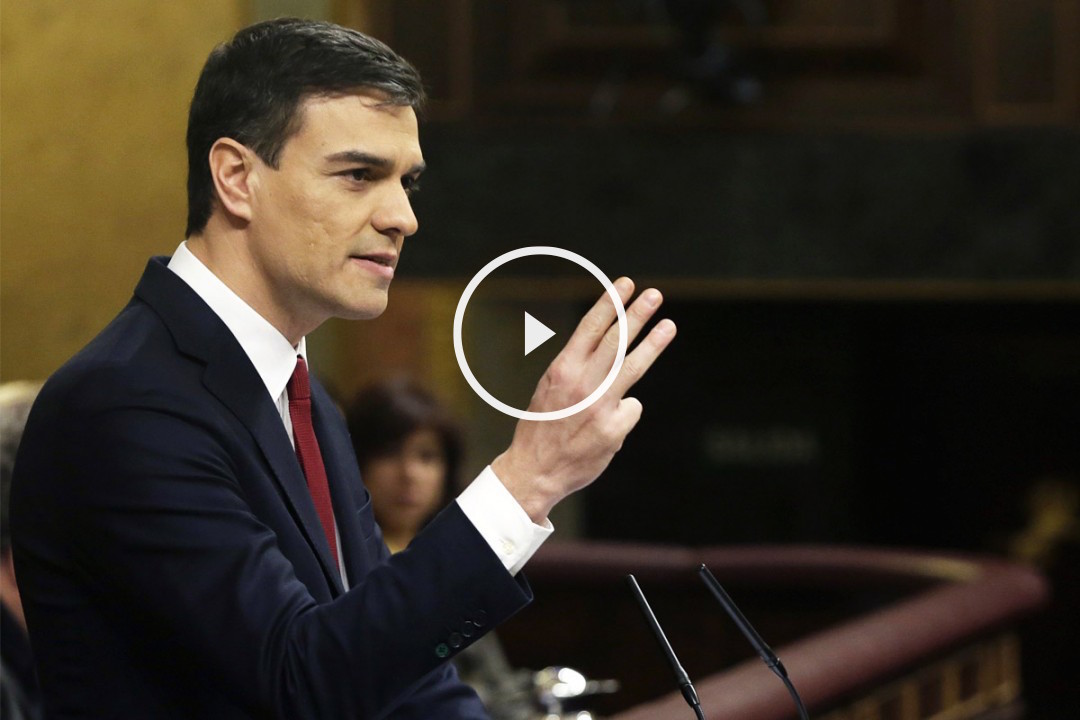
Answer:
(231, 168)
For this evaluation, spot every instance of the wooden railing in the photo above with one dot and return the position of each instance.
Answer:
(866, 634)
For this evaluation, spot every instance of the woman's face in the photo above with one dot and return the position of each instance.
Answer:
(407, 486)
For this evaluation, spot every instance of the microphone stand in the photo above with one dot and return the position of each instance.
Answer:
(681, 678)
(759, 645)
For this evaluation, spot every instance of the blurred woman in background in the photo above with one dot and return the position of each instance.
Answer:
(409, 450)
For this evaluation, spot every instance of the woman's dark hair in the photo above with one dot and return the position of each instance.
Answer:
(252, 87)
(381, 416)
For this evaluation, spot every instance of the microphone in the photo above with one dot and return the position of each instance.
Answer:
(681, 678)
(752, 636)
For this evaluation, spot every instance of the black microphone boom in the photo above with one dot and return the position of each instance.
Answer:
(681, 678)
(751, 635)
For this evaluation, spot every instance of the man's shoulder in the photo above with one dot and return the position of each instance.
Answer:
(149, 341)
(134, 354)
(129, 373)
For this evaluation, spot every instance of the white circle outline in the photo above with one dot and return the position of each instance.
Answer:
(459, 315)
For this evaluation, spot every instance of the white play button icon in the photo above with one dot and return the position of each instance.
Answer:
(536, 333)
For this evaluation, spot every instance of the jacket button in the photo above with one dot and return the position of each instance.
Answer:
(480, 618)
(442, 650)
(454, 640)
(468, 629)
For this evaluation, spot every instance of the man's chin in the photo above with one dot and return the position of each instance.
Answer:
(369, 309)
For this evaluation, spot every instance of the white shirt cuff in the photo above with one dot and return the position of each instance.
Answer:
(501, 521)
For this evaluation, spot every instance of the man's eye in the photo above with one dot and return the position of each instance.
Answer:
(359, 174)
(411, 185)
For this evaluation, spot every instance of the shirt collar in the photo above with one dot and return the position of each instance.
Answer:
(273, 356)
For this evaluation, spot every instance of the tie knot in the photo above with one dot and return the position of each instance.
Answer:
(298, 387)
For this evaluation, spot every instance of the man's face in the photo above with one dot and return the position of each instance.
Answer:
(328, 224)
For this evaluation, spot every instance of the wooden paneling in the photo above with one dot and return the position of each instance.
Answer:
(780, 63)
(1027, 62)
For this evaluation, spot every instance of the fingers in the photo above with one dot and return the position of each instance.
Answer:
(639, 313)
(597, 321)
(591, 350)
(643, 356)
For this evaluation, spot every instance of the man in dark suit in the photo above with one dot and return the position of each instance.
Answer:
(191, 534)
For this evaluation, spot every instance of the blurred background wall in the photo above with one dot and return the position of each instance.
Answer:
(94, 108)
(863, 213)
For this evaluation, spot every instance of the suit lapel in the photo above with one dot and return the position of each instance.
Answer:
(232, 379)
(236, 391)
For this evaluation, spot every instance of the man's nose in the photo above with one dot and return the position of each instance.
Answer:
(395, 215)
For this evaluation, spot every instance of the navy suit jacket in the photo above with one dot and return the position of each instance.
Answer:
(172, 563)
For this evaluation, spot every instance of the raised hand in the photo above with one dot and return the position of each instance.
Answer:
(547, 461)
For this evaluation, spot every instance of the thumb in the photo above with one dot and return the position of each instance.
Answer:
(628, 413)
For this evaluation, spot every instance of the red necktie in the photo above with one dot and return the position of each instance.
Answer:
(307, 450)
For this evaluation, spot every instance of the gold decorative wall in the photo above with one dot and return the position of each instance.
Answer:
(92, 180)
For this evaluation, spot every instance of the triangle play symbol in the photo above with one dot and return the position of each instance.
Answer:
(536, 333)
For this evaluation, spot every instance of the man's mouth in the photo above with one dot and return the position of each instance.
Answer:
(384, 259)
(380, 265)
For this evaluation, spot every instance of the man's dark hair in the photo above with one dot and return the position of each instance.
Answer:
(252, 87)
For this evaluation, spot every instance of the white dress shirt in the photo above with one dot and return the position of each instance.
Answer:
(486, 502)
